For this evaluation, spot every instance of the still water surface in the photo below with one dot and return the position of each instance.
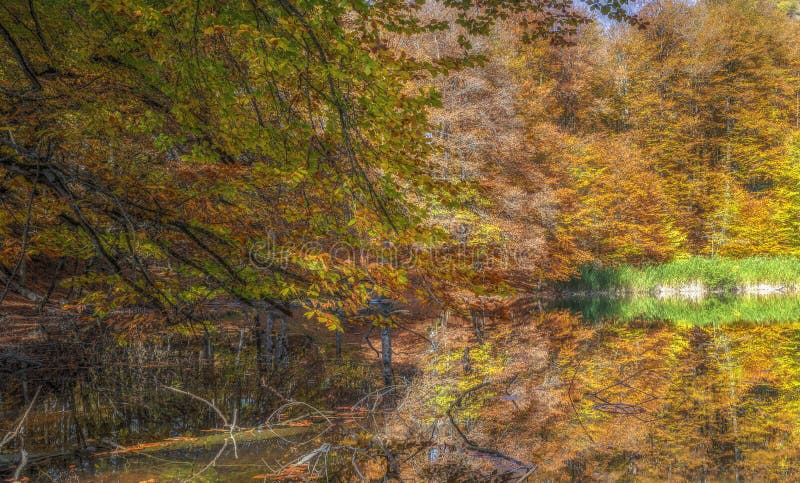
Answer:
(678, 389)
(638, 389)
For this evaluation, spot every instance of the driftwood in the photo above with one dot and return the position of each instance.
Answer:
(13, 434)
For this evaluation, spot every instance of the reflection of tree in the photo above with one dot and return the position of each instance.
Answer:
(647, 400)
(663, 400)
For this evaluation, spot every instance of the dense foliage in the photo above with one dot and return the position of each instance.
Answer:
(678, 138)
(327, 152)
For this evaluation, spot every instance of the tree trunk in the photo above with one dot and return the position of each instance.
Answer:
(477, 324)
(257, 336)
(386, 356)
(282, 346)
(338, 344)
(208, 349)
(266, 341)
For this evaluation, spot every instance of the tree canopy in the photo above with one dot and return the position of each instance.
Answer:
(327, 152)
(168, 153)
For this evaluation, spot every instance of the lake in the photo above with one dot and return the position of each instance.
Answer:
(591, 388)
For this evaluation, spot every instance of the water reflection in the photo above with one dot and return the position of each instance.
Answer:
(670, 389)
(713, 309)
(92, 393)
(586, 389)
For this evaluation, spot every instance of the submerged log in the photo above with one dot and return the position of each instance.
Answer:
(210, 439)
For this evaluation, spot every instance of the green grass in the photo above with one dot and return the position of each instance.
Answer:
(714, 273)
(709, 311)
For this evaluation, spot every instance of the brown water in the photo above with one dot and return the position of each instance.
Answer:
(91, 396)
(640, 391)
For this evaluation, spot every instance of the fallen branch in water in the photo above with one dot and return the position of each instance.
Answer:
(23, 462)
(209, 403)
(231, 428)
(471, 445)
(13, 434)
(210, 463)
(525, 477)
(392, 469)
(139, 448)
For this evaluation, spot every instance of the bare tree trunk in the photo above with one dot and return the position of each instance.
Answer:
(208, 348)
(477, 324)
(7, 280)
(338, 344)
(258, 336)
(240, 346)
(266, 340)
(282, 346)
(386, 356)
(23, 271)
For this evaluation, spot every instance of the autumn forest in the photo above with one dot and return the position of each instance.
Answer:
(392, 240)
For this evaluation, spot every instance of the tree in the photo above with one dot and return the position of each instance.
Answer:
(153, 145)
(711, 101)
(673, 137)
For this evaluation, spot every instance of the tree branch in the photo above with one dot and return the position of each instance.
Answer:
(471, 444)
(21, 61)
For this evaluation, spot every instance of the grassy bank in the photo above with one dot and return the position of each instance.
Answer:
(715, 274)
(708, 311)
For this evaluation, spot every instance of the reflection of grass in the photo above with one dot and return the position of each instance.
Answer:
(714, 273)
(711, 310)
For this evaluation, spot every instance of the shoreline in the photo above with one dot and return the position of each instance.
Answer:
(689, 290)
